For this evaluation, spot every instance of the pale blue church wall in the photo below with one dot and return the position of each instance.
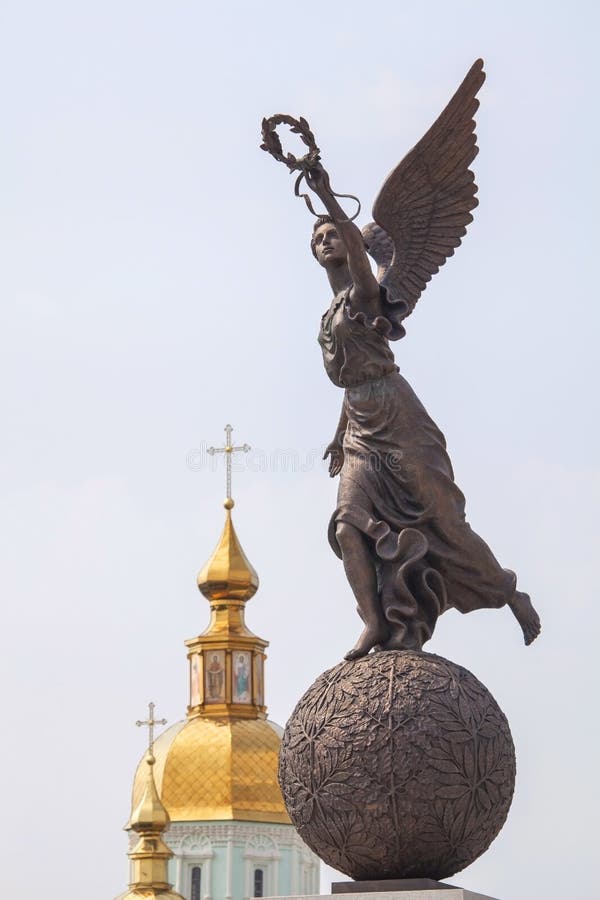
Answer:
(228, 853)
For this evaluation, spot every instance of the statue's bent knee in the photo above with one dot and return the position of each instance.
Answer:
(347, 535)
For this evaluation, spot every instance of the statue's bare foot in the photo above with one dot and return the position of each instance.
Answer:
(371, 637)
(525, 614)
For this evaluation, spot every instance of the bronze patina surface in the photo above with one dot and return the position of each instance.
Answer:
(397, 765)
(389, 884)
(399, 525)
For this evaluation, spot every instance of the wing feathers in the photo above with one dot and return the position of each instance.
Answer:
(462, 218)
(454, 203)
(432, 260)
(425, 203)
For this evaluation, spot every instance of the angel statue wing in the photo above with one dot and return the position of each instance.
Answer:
(423, 208)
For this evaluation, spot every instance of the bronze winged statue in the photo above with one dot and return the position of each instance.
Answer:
(399, 525)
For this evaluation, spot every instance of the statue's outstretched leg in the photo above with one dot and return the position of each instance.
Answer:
(361, 574)
(526, 615)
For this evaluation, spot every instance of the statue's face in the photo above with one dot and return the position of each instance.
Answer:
(329, 247)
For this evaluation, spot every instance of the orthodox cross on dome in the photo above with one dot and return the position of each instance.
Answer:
(151, 722)
(228, 450)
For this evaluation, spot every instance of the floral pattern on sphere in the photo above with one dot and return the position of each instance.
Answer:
(398, 765)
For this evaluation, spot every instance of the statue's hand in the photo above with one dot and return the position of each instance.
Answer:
(318, 180)
(336, 452)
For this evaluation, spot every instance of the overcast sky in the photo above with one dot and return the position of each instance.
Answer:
(157, 283)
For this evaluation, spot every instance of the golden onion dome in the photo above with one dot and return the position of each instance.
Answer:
(149, 814)
(216, 769)
(228, 573)
(149, 819)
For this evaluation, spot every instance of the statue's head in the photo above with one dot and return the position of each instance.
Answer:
(325, 234)
(326, 243)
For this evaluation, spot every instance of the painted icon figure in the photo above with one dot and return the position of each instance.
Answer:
(241, 692)
(216, 678)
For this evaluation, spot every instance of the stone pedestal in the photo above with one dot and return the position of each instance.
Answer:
(390, 884)
(448, 893)
(396, 889)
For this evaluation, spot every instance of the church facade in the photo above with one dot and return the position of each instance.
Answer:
(240, 859)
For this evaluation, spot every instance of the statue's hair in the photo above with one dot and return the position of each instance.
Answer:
(320, 220)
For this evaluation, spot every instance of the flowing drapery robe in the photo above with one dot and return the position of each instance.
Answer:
(397, 485)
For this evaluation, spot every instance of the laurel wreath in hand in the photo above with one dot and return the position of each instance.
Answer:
(272, 143)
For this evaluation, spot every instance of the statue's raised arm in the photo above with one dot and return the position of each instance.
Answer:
(364, 290)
